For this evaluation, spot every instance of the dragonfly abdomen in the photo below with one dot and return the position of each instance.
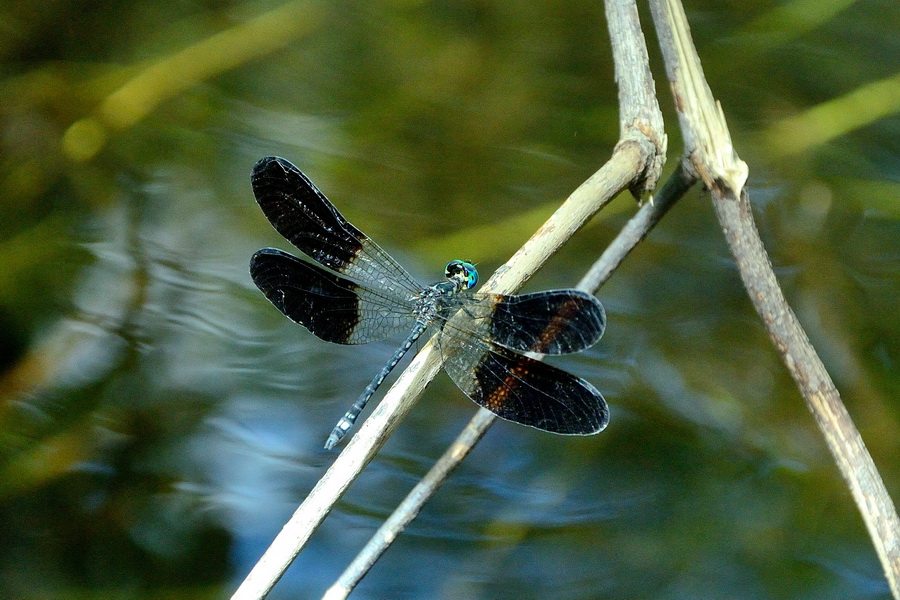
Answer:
(349, 418)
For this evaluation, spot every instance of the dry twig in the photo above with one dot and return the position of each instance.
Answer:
(711, 158)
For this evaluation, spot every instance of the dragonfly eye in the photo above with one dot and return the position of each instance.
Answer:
(461, 273)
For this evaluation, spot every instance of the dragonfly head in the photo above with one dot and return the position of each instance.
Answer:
(462, 274)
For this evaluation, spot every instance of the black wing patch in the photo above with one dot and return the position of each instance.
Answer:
(301, 213)
(521, 389)
(332, 307)
(553, 322)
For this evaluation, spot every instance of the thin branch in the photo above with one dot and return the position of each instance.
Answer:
(813, 380)
(407, 510)
(639, 115)
(637, 228)
(710, 155)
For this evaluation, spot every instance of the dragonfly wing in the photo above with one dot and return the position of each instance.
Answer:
(303, 215)
(334, 308)
(521, 389)
(551, 322)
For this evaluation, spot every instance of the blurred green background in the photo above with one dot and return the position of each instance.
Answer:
(159, 420)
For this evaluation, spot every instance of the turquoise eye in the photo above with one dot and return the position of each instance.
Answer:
(462, 272)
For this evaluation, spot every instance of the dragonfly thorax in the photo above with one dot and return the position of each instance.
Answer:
(436, 301)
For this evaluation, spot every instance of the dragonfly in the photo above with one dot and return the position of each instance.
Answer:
(347, 290)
